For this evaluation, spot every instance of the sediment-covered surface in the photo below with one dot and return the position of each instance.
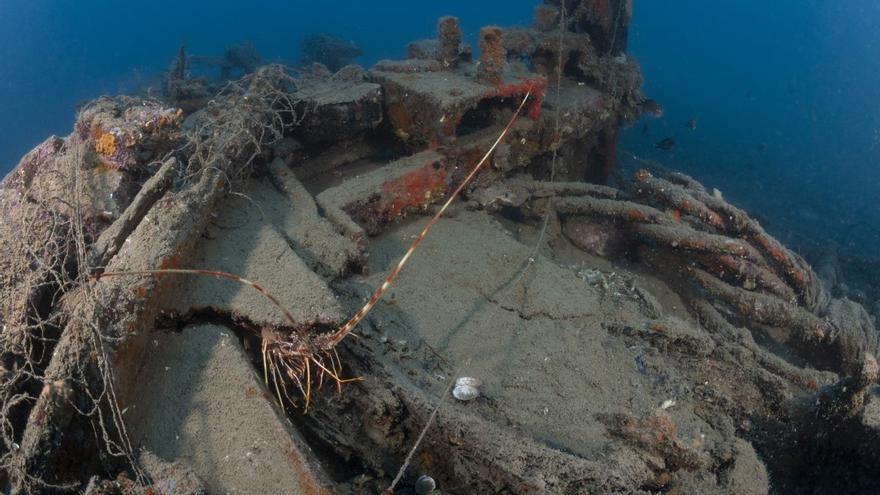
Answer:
(197, 404)
(629, 331)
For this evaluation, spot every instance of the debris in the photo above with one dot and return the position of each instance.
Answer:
(237, 60)
(338, 109)
(546, 17)
(652, 108)
(657, 434)
(328, 50)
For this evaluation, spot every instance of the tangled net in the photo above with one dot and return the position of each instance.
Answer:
(45, 248)
(52, 248)
(239, 125)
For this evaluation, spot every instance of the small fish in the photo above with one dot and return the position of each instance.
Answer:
(645, 129)
(666, 144)
(692, 124)
(652, 108)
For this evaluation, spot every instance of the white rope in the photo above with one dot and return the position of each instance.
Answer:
(528, 263)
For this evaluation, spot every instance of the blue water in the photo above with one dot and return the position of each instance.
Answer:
(55, 54)
(785, 93)
(786, 96)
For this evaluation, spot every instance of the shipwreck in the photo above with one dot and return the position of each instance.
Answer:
(178, 273)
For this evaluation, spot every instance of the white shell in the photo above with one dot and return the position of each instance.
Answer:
(425, 485)
(466, 388)
(468, 380)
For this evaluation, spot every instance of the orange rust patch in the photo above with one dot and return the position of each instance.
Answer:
(658, 328)
(635, 216)
(715, 219)
(400, 117)
(308, 484)
(450, 123)
(171, 120)
(472, 155)
(602, 10)
(97, 131)
(414, 190)
(172, 261)
(536, 86)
